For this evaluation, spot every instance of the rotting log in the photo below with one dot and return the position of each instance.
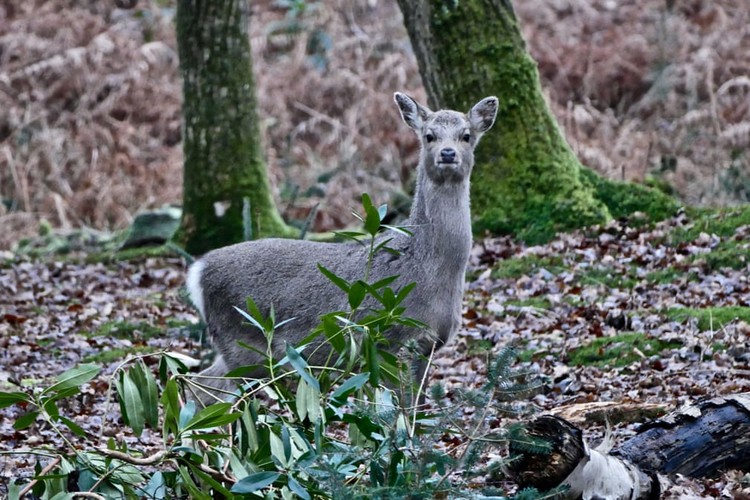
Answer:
(698, 441)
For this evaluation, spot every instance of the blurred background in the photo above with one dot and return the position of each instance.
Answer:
(654, 91)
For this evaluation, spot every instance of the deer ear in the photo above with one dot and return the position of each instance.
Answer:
(413, 114)
(482, 115)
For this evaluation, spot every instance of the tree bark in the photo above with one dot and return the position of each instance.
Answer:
(221, 140)
(696, 441)
(527, 181)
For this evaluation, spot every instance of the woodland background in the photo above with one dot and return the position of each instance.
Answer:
(643, 317)
(644, 90)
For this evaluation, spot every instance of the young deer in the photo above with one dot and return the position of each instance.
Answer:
(284, 273)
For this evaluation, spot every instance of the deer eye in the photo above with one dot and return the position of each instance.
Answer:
(429, 137)
(466, 137)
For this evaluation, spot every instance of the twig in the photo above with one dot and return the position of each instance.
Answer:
(44, 471)
(150, 460)
(87, 494)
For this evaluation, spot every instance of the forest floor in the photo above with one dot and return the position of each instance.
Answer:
(644, 317)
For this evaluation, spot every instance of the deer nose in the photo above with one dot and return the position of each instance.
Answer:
(447, 155)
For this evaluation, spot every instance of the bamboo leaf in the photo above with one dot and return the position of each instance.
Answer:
(336, 280)
(300, 366)
(354, 383)
(131, 404)
(74, 378)
(214, 415)
(254, 482)
(11, 398)
(357, 293)
(25, 421)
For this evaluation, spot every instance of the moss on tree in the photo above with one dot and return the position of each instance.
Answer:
(221, 141)
(527, 180)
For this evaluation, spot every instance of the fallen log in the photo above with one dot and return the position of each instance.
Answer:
(699, 441)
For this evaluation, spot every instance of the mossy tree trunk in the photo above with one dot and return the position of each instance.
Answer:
(221, 141)
(527, 180)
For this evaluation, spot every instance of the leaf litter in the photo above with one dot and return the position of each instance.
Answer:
(611, 283)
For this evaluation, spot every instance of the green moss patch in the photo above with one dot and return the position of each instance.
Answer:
(125, 330)
(536, 302)
(710, 318)
(625, 198)
(524, 266)
(727, 254)
(721, 222)
(618, 351)
(609, 277)
(117, 353)
(670, 275)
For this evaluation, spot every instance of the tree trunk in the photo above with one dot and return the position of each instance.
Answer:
(527, 181)
(221, 140)
(697, 441)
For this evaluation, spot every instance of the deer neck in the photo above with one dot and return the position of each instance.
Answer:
(441, 221)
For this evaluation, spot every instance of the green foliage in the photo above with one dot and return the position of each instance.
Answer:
(522, 266)
(722, 223)
(625, 198)
(609, 277)
(731, 254)
(710, 318)
(349, 428)
(618, 351)
(127, 330)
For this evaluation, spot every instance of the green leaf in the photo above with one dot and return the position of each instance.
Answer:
(356, 236)
(382, 245)
(171, 363)
(300, 366)
(74, 378)
(250, 432)
(400, 230)
(297, 488)
(156, 488)
(336, 280)
(301, 399)
(377, 476)
(404, 292)
(382, 211)
(277, 450)
(131, 404)
(254, 482)
(357, 293)
(333, 332)
(50, 407)
(371, 359)
(171, 403)
(146, 384)
(25, 421)
(74, 428)
(187, 413)
(384, 282)
(372, 217)
(217, 486)
(11, 398)
(250, 319)
(188, 483)
(354, 383)
(214, 415)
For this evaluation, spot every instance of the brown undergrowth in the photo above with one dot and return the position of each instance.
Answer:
(90, 127)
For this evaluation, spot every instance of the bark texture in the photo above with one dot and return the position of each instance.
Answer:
(699, 441)
(527, 181)
(221, 139)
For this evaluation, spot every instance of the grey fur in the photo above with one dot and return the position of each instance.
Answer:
(284, 272)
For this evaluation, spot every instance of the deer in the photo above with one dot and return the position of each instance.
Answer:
(284, 274)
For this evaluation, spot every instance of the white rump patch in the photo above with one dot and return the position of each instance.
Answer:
(194, 288)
